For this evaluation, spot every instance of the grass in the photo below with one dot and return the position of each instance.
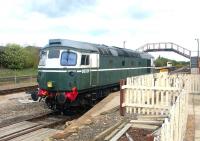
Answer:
(10, 72)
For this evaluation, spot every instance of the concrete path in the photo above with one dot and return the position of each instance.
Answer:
(194, 109)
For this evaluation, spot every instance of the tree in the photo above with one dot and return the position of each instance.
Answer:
(1, 53)
(33, 59)
(161, 61)
(14, 56)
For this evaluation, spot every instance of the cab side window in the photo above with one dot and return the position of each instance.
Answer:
(85, 60)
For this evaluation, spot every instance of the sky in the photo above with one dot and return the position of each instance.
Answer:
(110, 22)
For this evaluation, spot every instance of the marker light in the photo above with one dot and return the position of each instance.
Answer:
(49, 84)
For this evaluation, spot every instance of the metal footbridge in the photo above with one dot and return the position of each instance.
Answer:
(166, 46)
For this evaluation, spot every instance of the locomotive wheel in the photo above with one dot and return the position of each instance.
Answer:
(50, 103)
(61, 98)
(34, 95)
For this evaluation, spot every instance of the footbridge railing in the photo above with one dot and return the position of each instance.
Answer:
(165, 46)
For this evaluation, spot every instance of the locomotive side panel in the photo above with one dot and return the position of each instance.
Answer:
(112, 68)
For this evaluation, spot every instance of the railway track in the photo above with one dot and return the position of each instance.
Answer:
(18, 119)
(40, 125)
(18, 89)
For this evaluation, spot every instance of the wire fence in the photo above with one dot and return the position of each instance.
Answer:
(17, 81)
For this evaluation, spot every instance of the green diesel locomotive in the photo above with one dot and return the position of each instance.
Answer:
(77, 73)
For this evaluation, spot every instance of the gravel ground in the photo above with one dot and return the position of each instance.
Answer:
(19, 105)
(98, 125)
(136, 134)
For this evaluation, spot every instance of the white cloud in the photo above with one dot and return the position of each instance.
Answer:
(108, 22)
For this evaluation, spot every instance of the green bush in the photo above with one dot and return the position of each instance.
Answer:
(15, 57)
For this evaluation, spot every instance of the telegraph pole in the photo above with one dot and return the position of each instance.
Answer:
(197, 52)
(124, 44)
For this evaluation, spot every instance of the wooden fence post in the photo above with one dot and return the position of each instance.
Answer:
(122, 82)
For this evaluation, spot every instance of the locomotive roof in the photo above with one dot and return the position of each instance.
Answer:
(101, 49)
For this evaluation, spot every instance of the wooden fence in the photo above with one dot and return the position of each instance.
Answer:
(158, 80)
(150, 94)
(160, 94)
(149, 100)
(194, 83)
(174, 127)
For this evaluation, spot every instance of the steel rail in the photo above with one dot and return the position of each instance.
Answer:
(19, 89)
(39, 125)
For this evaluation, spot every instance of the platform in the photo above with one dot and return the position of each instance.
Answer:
(194, 109)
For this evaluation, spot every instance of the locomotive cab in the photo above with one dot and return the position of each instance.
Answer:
(53, 67)
(63, 71)
(67, 63)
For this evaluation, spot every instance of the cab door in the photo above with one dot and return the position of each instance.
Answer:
(94, 70)
(85, 71)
